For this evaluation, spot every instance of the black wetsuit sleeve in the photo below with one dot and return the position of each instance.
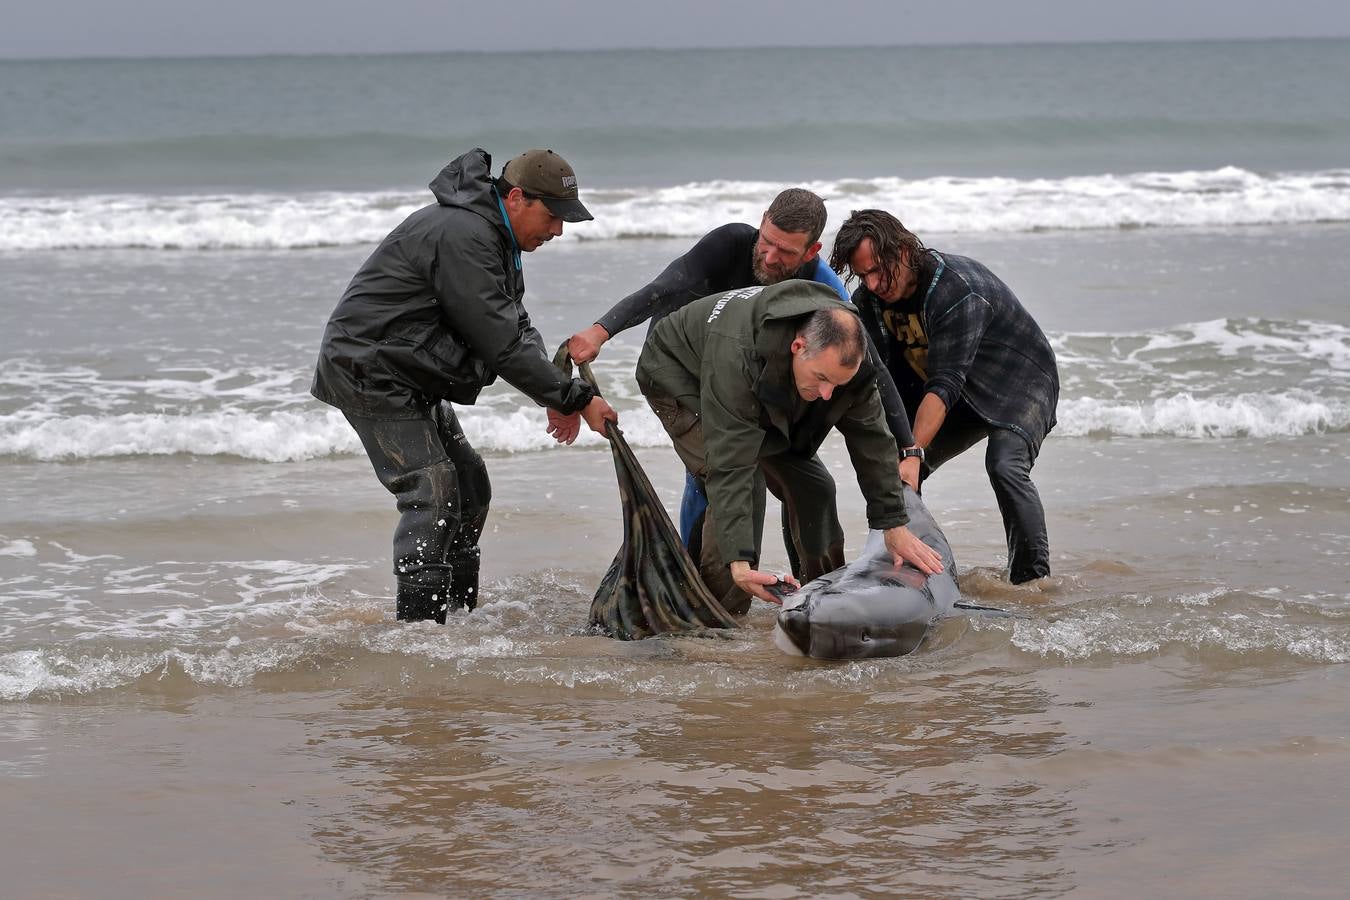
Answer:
(698, 273)
(894, 408)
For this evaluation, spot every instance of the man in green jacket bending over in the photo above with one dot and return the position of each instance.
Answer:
(748, 383)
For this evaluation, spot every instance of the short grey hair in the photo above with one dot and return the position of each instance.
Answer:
(840, 328)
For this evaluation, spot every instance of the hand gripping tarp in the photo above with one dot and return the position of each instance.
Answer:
(652, 587)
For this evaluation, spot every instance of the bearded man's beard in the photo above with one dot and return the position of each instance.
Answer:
(763, 273)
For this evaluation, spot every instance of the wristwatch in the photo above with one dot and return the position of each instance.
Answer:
(909, 452)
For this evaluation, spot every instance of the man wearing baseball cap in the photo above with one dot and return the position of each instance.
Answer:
(547, 176)
(430, 319)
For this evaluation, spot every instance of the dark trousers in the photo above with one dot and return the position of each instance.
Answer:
(814, 537)
(442, 490)
(1008, 461)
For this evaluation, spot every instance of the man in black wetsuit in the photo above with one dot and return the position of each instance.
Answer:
(785, 245)
(971, 364)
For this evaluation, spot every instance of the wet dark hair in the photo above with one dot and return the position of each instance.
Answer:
(826, 328)
(892, 242)
(798, 210)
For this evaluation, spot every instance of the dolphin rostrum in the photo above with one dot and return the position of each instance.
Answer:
(871, 608)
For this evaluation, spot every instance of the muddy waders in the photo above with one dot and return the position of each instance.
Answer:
(442, 489)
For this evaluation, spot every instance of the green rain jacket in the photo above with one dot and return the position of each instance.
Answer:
(728, 358)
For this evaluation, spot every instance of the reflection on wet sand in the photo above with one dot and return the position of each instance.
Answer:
(780, 794)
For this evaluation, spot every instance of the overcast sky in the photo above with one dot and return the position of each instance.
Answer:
(45, 28)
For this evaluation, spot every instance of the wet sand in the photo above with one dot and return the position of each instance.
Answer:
(974, 776)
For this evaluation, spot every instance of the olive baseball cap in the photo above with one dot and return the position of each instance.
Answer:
(547, 176)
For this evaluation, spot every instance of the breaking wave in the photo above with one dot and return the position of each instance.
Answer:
(283, 436)
(280, 221)
(274, 437)
(1189, 381)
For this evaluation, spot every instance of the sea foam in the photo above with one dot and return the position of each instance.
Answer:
(275, 221)
(279, 437)
(1190, 381)
(1281, 414)
(273, 437)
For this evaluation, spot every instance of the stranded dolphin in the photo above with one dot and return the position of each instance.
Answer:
(871, 608)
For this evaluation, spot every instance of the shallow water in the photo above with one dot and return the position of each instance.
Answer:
(974, 770)
(1167, 709)
(202, 688)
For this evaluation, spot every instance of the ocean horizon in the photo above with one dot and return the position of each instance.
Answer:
(646, 48)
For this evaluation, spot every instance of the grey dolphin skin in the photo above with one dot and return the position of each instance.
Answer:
(869, 608)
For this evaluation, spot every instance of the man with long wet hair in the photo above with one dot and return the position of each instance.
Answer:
(969, 361)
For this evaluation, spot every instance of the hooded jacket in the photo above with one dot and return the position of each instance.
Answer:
(435, 313)
(728, 358)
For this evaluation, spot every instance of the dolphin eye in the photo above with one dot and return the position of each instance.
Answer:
(864, 637)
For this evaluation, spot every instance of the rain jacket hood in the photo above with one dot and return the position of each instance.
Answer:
(466, 182)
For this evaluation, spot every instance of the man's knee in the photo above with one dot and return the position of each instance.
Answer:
(799, 481)
(474, 484)
(815, 487)
(1009, 459)
(431, 487)
(475, 496)
(398, 448)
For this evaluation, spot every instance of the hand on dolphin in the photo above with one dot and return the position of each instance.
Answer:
(564, 428)
(905, 547)
(752, 581)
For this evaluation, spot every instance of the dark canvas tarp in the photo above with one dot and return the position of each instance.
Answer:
(652, 587)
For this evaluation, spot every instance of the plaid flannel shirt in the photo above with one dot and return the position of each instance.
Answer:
(984, 348)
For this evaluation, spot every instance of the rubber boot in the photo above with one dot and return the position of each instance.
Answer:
(464, 579)
(419, 602)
